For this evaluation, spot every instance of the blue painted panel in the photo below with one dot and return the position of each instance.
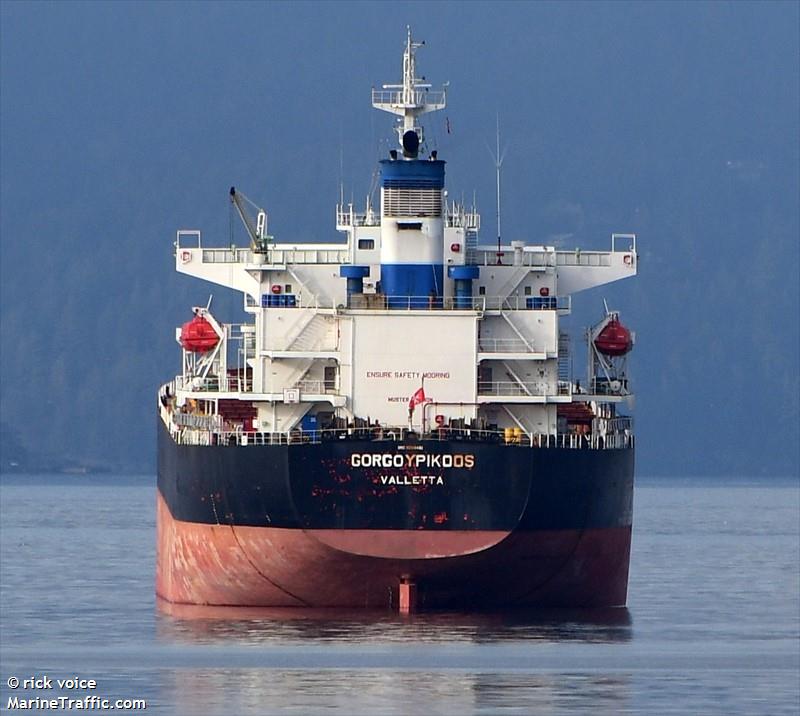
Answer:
(355, 285)
(308, 422)
(353, 271)
(463, 272)
(284, 300)
(542, 303)
(419, 281)
(412, 174)
(463, 291)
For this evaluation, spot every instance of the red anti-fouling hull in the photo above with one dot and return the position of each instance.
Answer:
(223, 564)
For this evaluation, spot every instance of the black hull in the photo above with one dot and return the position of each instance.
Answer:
(315, 486)
(307, 525)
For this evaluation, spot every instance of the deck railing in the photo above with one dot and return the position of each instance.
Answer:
(418, 98)
(503, 345)
(454, 217)
(470, 303)
(583, 258)
(622, 439)
(512, 387)
(515, 388)
(276, 255)
(315, 387)
(506, 257)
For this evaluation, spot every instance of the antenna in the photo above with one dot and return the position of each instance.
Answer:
(409, 100)
(498, 163)
(341, 167)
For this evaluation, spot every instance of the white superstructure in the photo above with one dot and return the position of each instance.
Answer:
(334, 337)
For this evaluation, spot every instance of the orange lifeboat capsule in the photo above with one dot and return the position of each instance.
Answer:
(614, 339)
(198, 335)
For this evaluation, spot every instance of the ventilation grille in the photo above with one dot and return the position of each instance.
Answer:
(411, 202)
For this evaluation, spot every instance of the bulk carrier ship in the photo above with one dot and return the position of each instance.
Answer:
(398, 425)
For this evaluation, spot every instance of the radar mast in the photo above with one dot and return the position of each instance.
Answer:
(410, 99)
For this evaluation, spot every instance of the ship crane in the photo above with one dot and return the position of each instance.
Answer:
(259, 239)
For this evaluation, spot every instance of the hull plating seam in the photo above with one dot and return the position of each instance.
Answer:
(261, 574)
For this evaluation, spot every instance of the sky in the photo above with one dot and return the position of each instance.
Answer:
(123, 122)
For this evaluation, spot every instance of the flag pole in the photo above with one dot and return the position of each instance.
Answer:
(417, 398)
(423, 403)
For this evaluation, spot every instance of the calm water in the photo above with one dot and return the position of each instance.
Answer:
(713, 624)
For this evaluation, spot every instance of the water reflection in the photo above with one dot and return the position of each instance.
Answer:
(241, 626)
(376, 692)
(261, 661)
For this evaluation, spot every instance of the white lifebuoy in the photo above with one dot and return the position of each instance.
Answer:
(186, 256)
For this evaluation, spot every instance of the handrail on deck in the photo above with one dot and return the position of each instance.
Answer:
(594, 441)
(275, 255)
(472, 303)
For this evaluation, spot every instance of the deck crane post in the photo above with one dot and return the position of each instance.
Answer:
(259, 239)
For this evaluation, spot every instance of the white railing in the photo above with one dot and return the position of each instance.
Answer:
(201, 422)
(276, 256)
(226, 256)
(503, 345)
(200, 429)
(528, 303)
(488, 257)
(512, 387)
(515, 388)
(244, 384)
(604, 386)
(242, 332)
(564, 387)
(236, 383)
(308, 256)
(583, 258)
(419, 98)
(314, 387)
(570, 441)
(471, 303)
(612, 426)
(300, 301)
(348, 217)
(190, 235)
(630, 239)
(455, 218)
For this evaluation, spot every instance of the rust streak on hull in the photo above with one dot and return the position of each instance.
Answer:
(225, 565)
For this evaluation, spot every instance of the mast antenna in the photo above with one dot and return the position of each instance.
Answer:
(498, 164)
(341, 168)
(410, 99)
